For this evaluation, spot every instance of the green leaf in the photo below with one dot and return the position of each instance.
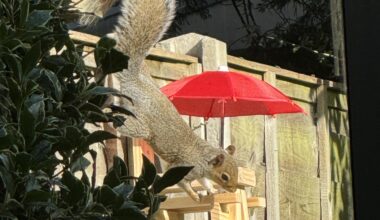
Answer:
(36, 107)
(119, 169)
(15, 92)
(23, 161)
(14, 65)
(41, 150)
(123, 110)
(105, 195)
(99, 208)
(31, 58)
(129, 210)
(156, 204)
(109, 59)
(7, 179)
(27, 126)
(112, 179)
(51, 84)
(36, 196)
(85, 179)
(14, 44)
(5, 139)
(106, 43)
(80, 164)
(148, 172)
(4, 161)
(24, 12)
(100, 90)
(14, 206)
(76, 187)
(91, 107)
(99, 136)
(119, 166)
(123, 190)
(38, 18)
(97, 117)
(170, 177)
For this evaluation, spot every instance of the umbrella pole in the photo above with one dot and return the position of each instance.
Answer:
(222, 133)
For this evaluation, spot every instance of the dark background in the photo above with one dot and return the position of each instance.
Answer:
(362, 19)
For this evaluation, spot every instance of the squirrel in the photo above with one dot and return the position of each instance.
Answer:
(142, 24)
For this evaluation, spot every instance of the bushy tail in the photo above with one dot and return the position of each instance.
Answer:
(141, 25)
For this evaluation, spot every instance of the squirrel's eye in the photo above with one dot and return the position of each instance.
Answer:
(225, 177)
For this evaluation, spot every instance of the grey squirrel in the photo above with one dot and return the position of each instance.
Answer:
(141, 24)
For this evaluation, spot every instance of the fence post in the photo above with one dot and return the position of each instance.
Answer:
(271, 161)
(324, 151)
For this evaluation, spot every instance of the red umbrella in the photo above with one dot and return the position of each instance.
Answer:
(227, 94)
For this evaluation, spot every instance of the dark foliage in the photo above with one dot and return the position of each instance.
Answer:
(46, 98)
(300, 41)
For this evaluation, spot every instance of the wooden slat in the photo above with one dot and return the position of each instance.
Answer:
(135, 156)
(302, 92)
(83, 37)
(89, 39)
(337, 100)
(186, 204)
(246, 177)
(271, 158)
(159, 53)
(259, 67)
(256, 202)
(227, 197)
(244, 205)
(324, 152)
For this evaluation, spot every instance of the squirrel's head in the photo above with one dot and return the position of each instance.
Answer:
(224, 169)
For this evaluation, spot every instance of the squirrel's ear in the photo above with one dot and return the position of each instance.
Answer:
(231, 149)
(217, 161)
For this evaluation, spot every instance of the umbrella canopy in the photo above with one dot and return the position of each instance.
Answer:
(227, 94)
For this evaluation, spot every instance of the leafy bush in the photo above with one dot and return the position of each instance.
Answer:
(46, 99)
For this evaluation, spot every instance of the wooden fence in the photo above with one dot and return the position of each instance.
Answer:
(302, 162)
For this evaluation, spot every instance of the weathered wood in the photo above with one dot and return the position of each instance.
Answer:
(217, 213)
(167, 71)
(300, 196)
(256, 202)
(244, 205)
(257, 75)
(324, 152)
(246, 177)
(259, 67)
(337, 100)
(186, 204)
(338, 122)
(271, 158)
(297, 143)
(135, 158)
(341, 186)
(247, 134)
(159, 53)
(228, 197)
(91, 40)
(296, 91)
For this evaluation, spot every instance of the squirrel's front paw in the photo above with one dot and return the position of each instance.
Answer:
(195, 196)
(212, 191)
